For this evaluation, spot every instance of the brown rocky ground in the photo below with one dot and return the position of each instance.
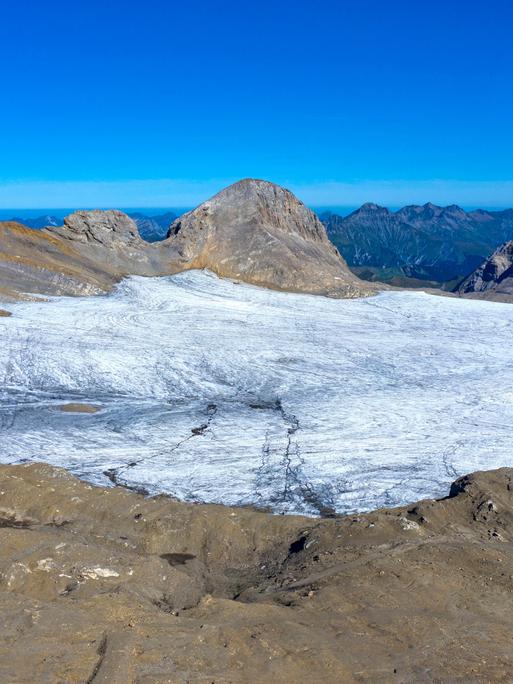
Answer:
(104, 585)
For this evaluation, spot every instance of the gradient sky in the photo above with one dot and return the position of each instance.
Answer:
(161, 103)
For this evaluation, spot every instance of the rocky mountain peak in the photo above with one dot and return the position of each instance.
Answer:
(371, 208)
(253, 231)
(260, 232)
(102, 227)
(251, 201)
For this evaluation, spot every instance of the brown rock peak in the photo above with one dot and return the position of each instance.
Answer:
(260, 232)
(97, 226)
(263, 200)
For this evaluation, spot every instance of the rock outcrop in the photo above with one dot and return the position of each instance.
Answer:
(253, 231)
(494, 277)
(110, 229)
(104, 585)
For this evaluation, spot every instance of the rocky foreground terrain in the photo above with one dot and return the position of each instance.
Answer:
(103, 585)
(254, 231)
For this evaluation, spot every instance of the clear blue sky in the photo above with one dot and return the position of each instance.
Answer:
(163, 102)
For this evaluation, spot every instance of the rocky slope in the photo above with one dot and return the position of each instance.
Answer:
(254, 231)
(103, 585)
(40, 263)
(494, 277)
(423, 242)
(87, 255)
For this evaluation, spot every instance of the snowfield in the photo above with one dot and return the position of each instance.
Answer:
(222, 392)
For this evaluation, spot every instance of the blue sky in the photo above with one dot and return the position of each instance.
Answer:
(162, 103)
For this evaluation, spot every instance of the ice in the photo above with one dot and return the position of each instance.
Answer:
(222, 392)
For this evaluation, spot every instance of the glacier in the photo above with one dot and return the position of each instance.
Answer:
(216, 391)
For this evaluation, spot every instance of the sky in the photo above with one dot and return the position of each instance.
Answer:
(160, 103)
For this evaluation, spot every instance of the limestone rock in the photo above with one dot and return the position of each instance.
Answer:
(261, 233)
(108, 228)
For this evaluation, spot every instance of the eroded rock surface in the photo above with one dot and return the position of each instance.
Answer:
(103, 585)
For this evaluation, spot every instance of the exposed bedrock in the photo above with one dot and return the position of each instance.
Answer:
(261, 233)
(253, 230)
(104, 585)
(494, 278)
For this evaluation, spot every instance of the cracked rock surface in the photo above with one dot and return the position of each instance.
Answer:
(104, 585)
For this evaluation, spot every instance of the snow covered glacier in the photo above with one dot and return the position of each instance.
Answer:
(217, 391)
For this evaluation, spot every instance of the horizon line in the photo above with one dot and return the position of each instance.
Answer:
(169, 193)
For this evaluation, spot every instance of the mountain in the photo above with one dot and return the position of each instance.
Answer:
(421, 242)
(254, 231)
(64, 261)
(261, 233)
(493, 279)
(38, 222)
(153, 228)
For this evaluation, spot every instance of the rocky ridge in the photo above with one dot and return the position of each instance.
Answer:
(151, 228)
(104, 585)
(254, 231)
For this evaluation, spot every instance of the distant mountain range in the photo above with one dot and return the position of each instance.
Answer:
(428, 242)
(151, 228)
(38, 222)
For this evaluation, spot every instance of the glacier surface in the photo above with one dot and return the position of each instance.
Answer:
(222, 392)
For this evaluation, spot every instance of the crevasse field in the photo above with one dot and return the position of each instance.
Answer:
(222, 392)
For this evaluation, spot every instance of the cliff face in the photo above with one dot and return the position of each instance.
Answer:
(106, 585)
(253, 231)
(494, 277)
